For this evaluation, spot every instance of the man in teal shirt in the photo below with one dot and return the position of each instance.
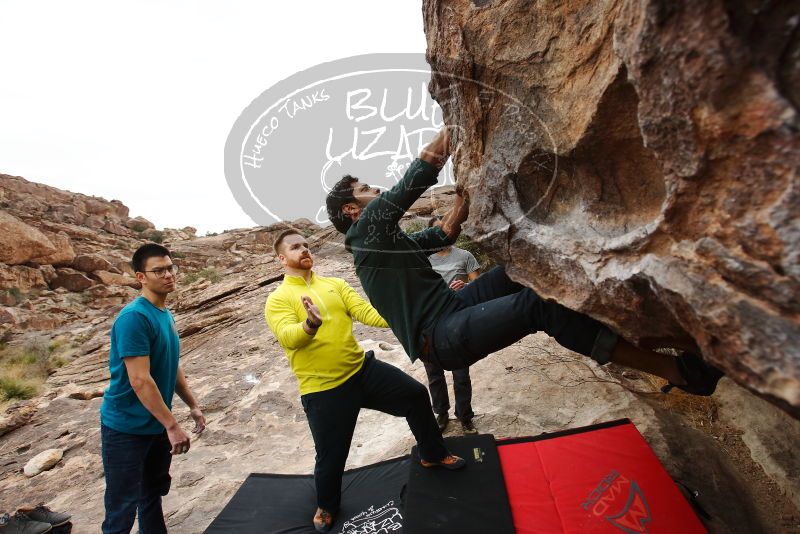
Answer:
(138, 431)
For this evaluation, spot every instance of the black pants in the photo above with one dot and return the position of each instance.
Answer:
(332, 416)
(462, 387)
(493, 312)
(137, 475)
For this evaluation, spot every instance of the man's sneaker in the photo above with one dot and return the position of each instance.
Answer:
(21, 524)
(451, 462)
(44, 514)
(442, 420)
(468, 427)
(323, 520)
(701, 378)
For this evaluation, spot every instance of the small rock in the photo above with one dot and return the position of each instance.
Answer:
(16, 417)
(42, 462)
(86, 395)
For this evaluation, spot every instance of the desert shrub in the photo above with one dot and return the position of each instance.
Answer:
(209, 273)
(156, 236)
(14, 388)
(463, 242)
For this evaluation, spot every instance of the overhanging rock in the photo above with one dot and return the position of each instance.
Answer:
(638, 161)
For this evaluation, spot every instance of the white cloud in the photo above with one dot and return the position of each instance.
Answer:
(134, 101)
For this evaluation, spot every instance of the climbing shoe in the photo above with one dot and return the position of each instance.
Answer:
(323, 520)
(451, 462)
(467, 427)
(701, 378)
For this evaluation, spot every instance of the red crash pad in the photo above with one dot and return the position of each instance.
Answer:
(603, 478)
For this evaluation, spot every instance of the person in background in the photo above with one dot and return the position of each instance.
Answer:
(139, 433)
(457, 267)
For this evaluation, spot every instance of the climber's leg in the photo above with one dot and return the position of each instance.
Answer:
(663, 365)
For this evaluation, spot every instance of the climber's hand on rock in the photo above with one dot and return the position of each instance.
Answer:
(438, 150)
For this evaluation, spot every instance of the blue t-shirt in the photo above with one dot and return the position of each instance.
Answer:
(141, 329)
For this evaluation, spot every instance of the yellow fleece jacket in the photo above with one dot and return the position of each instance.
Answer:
(329, 358)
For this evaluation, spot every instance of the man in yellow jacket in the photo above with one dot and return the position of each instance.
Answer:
(312, 318)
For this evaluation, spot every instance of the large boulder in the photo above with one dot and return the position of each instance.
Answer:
(139, 224)
(64, 253)
(9, 316)
(71, 280)
(19, 242)
(638, 162)
(114, 279)
(92, 262)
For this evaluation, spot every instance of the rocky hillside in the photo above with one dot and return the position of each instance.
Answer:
(735, 449)
(65, 257)
(638, 161)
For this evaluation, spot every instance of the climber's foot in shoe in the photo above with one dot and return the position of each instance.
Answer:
(701, 378)
(451, 462)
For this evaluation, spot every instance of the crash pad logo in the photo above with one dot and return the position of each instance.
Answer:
(367, 116)
(381, 520)
(621, 502)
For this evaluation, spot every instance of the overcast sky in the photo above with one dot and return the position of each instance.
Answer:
(134, 100)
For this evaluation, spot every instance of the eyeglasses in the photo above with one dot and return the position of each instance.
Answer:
(162, 271)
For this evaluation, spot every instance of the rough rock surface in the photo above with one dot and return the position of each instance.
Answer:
(71, 280)
(92, 262)
(638, 161)
(64, 253)
(58, 265)
(746, 479)
(20, 242)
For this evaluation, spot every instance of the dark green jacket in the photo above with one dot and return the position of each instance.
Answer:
(393, 266)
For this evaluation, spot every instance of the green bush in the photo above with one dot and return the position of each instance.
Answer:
(14, 388)
(33, 358)
(139, 227)
(57, 362)
(462, 242)
(475, 249)
(17, 295)
(156, 236)
(209, 273)
(55, 345)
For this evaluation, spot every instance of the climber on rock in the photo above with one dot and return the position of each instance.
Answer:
(455, 329)
(312, 318)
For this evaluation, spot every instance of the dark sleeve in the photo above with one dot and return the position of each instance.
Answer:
(392, 204)
(431, 240)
